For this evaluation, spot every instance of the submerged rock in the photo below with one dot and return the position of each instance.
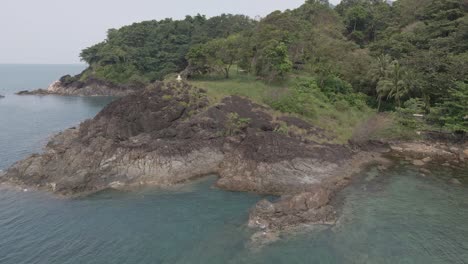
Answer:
(168, 133)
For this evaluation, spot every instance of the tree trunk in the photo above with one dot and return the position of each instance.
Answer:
(227, 69)
(380, 102)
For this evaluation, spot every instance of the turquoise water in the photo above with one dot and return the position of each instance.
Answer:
(392, 217)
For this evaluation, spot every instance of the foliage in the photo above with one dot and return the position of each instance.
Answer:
(317, 61)
(274, 61)
(217, 55)
(153, 49)
(236, 124)
(452, 113)
(411, 115)
(393, 83)
(303, 99)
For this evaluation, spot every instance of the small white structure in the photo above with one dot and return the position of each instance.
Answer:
(179, 78)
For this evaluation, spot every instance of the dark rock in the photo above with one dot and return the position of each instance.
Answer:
(167, 134)
(68, 85)
(291, 210)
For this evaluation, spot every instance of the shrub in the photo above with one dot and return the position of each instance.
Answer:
(235, 124)
(303, 98)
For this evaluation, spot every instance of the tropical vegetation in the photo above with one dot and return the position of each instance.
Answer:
(407, 57)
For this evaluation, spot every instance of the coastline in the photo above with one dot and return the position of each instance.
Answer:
(175, 136)
(91, 87)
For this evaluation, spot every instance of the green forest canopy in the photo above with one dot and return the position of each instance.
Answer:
(411, 54)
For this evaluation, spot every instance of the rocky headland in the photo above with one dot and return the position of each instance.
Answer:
(169, 133)
(67, 85)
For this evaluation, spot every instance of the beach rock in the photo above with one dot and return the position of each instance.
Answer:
(418, 163)
(291, 210)
(427, 159)
(454, 149)
(432, 150)
(455, 181)
(425, 171)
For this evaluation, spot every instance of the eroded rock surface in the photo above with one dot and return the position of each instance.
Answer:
(305, 207)
(425, 152)
(168, 133)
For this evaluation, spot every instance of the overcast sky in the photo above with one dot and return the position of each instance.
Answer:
(55, 31)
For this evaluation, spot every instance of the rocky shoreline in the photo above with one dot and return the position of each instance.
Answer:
(90, 87)
(168, 133)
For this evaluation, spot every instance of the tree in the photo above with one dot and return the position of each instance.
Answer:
(274, 61)
(394, 85)
(452, 113)
(225, 52)
(153, 49)
(215, 56)
(379, 74)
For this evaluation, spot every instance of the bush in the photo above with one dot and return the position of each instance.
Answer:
(412, 114)
(235, 124)
(303, 98)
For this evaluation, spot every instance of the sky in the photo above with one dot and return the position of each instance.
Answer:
(55, 31)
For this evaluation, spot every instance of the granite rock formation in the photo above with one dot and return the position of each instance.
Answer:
(169, 133)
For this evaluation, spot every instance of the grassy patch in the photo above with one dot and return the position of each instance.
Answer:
(337, 116)
(246, 86)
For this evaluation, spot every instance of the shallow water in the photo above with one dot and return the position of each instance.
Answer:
(26, 122)
(396, 216)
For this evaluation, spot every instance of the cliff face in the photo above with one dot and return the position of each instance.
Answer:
(167, 133)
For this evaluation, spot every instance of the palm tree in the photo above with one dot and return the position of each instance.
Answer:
(392, 82)
(379, 72)
(399, 87)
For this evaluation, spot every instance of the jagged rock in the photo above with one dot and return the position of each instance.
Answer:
(168, 133)
(292, 210)
(432, 150)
